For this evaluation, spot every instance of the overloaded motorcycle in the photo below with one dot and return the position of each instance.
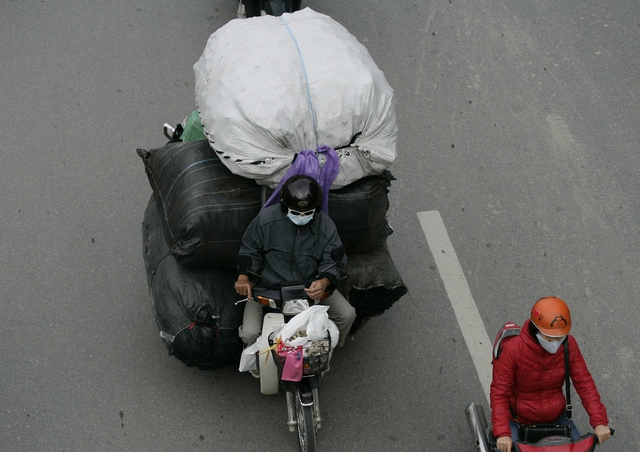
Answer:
(252, 8)
(485, 442)
(294, 349)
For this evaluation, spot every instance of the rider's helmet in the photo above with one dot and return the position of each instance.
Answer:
(551, 316)
(300, 193)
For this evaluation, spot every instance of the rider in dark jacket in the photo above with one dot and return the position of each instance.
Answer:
(293, 242)
(281, 251)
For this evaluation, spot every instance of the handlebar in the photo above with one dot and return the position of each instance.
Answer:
(612, 432)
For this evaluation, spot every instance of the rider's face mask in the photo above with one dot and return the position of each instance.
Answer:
(300, 218)
(550, 346)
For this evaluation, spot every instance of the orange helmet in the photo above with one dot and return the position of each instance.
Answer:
(552, 317)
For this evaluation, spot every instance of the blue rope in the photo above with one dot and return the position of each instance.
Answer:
(306, 78)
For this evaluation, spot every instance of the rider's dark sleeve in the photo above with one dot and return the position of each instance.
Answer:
(252, 245)
(337, 272)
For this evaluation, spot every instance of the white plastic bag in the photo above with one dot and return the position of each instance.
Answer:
(270, 87)
(309, 325)
(334, 334)
(248, 357)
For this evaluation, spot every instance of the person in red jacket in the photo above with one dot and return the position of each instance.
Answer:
(529, 376)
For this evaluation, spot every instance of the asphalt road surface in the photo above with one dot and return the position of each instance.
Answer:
(518, 130)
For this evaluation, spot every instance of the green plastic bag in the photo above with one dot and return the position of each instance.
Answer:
(192, 128)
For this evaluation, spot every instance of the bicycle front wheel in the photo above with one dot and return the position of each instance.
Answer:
(306, 424)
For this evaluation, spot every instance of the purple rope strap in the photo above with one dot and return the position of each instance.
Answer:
(306, 162)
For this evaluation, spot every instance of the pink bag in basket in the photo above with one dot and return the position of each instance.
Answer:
(294, 362)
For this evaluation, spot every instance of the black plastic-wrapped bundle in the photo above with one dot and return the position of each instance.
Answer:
(204, 207)
(359, 211)
(372, 285)
(194, 307)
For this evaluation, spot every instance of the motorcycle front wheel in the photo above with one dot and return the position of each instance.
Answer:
(306, 423)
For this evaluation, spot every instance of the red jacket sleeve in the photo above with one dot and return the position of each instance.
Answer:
(585, 386)
(504, 371)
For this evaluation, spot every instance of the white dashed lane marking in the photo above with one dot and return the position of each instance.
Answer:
(455, 284)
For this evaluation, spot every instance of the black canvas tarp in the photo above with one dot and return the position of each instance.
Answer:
(194, 307)
(373, 284)
(359, 211)
(205, 209)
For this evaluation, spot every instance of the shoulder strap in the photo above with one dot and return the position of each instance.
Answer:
(567, 379)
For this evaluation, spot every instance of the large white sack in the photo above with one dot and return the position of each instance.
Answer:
(254, 100)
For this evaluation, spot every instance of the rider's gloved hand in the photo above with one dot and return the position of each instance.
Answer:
(317, 288)
(602, 432)
(243, 286)
(504, 444)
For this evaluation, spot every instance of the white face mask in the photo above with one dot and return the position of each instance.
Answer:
(550, 346)
(299, 220)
